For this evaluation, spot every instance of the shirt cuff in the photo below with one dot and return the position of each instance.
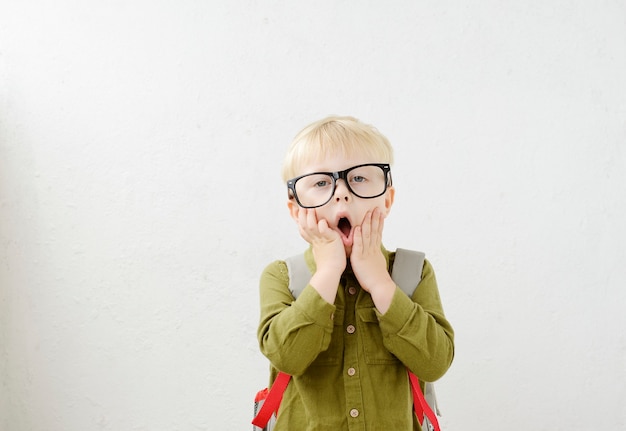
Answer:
(311, 304)
(399, 312)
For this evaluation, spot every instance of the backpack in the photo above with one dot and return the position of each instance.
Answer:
(406, 273)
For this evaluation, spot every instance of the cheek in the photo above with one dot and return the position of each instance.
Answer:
(381, 204)
(385, 208)
(320, 214)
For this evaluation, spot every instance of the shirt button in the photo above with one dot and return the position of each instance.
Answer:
(351, 371)
(350, 329)
(354, 413)
(352, 290)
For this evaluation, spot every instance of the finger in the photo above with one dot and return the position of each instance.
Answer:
(311, 220)
(323, 228)
(377, 227)
(357, 242)
(302, 217)
(381, 225)
(305, 228)
(318, 226)
(366, 229)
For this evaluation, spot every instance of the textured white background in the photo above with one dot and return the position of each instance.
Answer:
(140, 198)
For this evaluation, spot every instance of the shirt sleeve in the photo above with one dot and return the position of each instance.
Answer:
(416, 330)
(292, 333)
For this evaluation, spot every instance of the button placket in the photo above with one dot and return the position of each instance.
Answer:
(351, 376)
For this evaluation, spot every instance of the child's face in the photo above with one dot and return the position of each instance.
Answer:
(344, 211)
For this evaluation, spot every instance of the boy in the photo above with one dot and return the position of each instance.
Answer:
(349, 337)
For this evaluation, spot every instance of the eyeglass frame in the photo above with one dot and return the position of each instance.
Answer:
(340, 175)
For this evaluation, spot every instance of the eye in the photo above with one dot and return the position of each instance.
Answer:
(313, 182)
(358, 179)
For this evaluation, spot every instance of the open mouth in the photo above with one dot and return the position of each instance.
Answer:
(344, 226)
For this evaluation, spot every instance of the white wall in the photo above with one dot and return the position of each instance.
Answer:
(140, 198)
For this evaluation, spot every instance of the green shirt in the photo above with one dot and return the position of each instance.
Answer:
(347, 360)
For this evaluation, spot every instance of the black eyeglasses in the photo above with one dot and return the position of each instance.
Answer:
(365, 181)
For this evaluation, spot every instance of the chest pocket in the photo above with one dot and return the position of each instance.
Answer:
(372, 339)
(334, 354)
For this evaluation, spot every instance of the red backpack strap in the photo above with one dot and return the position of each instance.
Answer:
(272, 401)
(419, 403)
(275, 396)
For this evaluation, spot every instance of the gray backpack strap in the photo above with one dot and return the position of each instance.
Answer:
(407, 273)
(407, 269)
(431, 397)
(299, 274)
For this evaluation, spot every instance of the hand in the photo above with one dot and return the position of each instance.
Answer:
(328, 252)
(328, 249)
(369, 263)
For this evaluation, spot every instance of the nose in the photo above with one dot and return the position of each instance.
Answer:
(341, 191)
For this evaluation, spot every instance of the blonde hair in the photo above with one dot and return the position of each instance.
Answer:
(335, 135)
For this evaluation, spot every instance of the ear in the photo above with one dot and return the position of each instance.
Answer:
(389, 197)
(294, 208)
